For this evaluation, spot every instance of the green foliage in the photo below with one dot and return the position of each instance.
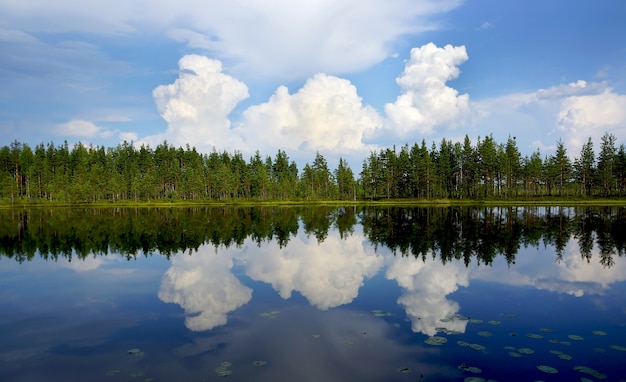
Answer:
(485, 170)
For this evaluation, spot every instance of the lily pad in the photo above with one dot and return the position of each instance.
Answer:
(474, 379)
(134, 351)
(600, 350)
(471, 369)
(566, 357)
(462, 343)
(316, 336)
(475, 321)
(545, 330)
(348, 342)
(510, 348)
(547, 369)
(259, 363)
(136, 374)
(454, 317)
(618, 347)
(112, 372)
(272, 314)
(525, 350)
(226, 364)
(535, 336)
(599, 332)
(575, 337)
(494, 322)
(436, 340)
(477, 347)
(223, 372)
(587, 370)
(556, 352)
(560, 342)
(485, 334)
(514, 354)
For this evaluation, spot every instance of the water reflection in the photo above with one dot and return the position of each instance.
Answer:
(326, 254)
(204, 287)
(425, 287)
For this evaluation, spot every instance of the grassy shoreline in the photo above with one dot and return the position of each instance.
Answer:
(553, 201)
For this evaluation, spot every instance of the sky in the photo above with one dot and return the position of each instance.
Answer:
(342, 78)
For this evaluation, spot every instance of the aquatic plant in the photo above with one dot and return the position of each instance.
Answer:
(587, 370)
(547, 369)
(535, 336)
(525, 350)
(436, 340)
(471, 369)
(271, 314)
(618, 347)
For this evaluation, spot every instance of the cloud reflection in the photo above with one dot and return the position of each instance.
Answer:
(204, 286)
(328, 274)
(425, 285)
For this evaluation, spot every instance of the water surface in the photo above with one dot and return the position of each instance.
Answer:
(313, 294)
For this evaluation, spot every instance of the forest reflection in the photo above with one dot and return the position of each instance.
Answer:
(470, 234)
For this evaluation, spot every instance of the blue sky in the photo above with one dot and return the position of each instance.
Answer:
(339, 77)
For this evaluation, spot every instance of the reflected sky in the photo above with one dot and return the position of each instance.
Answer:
(330, 273)
(337, 302)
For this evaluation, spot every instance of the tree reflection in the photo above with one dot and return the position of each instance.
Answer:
(470, 234)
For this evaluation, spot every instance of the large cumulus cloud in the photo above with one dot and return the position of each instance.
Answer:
(197, 105)
(426, 102)
(326, 114)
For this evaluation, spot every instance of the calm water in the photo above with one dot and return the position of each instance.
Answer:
(313, 294)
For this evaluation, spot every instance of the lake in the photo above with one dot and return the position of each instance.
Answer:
(313, 294)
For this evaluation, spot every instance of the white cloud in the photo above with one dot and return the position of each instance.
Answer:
(581, 117)
(79, 128)
(196, 106)
(577, 88)
(570, 112)
(278, 38)
(426, 101)
(128, 136)
(326, 114)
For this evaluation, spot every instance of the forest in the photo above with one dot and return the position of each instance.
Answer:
(484, 169)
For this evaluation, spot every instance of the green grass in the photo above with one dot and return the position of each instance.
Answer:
(496, 202)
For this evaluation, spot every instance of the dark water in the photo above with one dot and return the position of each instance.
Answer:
(319, 294)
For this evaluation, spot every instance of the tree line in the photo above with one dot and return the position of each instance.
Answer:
(482, 170)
